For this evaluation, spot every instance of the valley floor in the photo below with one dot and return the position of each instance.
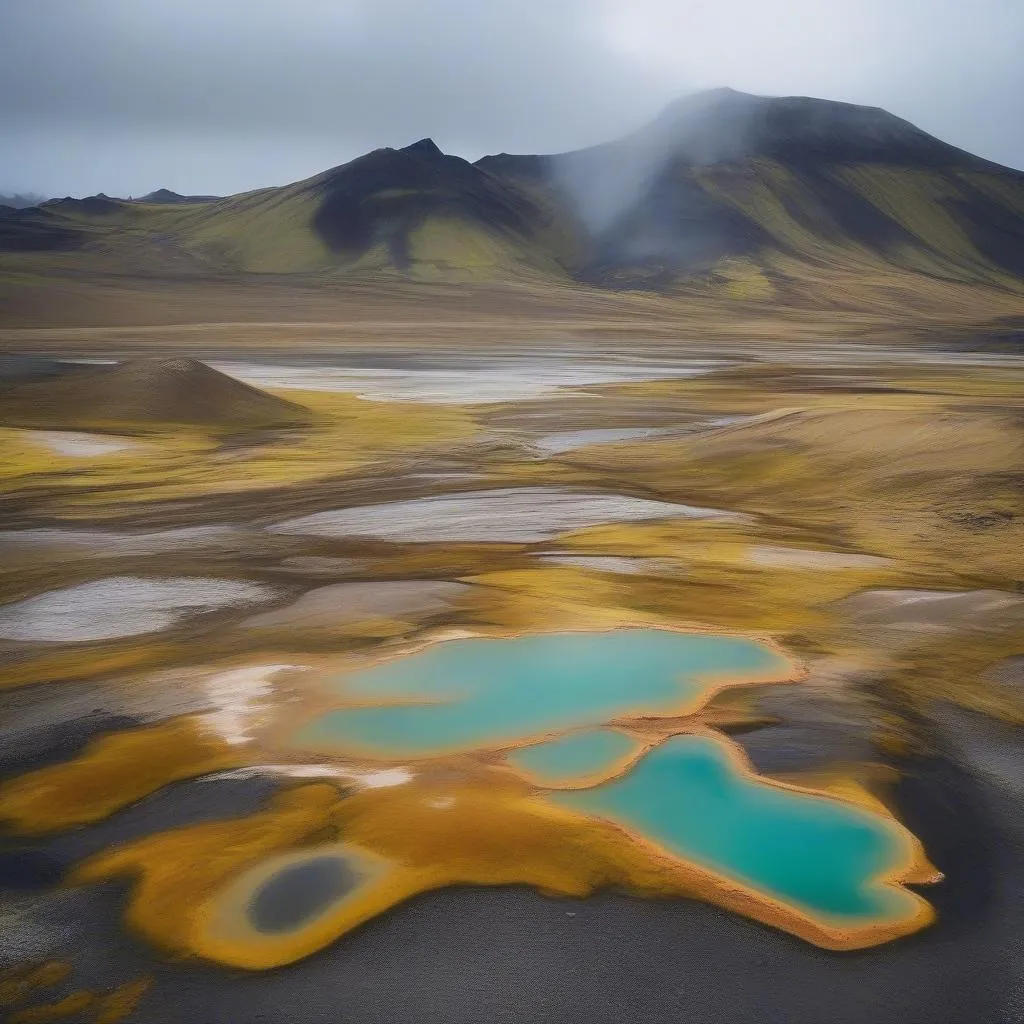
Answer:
(850, 488)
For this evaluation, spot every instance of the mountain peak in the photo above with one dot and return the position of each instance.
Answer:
(423, 148)
(168, 197)
(723, 124)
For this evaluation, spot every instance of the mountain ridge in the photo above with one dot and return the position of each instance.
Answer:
(722, 193)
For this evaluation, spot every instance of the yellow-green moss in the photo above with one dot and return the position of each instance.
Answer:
(347, 432)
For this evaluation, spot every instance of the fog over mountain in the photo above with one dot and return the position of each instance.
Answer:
(21, 200)
(214, 98)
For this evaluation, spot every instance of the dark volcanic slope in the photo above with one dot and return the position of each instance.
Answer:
(31, 229)
(724, 174)
(752, 198)
(387, 196)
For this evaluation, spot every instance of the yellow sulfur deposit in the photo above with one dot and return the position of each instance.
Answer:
(114, 771)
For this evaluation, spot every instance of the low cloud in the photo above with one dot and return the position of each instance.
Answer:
(200, 96)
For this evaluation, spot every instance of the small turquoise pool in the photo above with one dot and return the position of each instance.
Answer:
(691, 798)
(580, 755)
(487, 693)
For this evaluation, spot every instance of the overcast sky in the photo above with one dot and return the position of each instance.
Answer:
(218, 96)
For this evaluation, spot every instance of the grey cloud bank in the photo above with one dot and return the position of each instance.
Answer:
(220, 96)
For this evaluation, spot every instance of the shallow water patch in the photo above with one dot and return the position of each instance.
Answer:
(122, 606)
(569, 440)
(462, 381)
(81, 445)
(488, 693)
(509, 514)
(578, 759)
(291, 904)
(778, 557)
(828, 861)
(620, 565)
(300, 892)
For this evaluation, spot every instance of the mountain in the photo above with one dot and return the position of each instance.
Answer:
(758, 181)
(99, 205)
(165, 195)
(725, 194)
(405, 212)
(143, 393)
(417, 209)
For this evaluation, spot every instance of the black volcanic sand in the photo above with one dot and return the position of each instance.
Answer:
(468, 955)
(34, 863)
(814, 731)
(29, 746)
(299, 893)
